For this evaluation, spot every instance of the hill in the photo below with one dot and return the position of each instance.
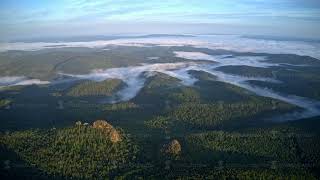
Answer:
(81, 151)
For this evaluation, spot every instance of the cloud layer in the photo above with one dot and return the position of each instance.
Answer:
(19, 80)
(45, 18)
(225, 42)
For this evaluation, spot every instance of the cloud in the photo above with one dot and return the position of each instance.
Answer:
(31, 17)
(19, 80)
(225, 42)
(229, 60)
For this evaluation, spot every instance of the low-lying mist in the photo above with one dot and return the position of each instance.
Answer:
(19, 80)
(134, 78)
(226, 42)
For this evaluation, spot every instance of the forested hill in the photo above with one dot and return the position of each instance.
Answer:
(100, 150)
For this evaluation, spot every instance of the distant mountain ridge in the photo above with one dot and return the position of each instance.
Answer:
(94, 38)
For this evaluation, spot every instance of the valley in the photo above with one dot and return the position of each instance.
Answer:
(176, 111)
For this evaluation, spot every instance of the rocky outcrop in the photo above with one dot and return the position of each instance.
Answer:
(108, 129)
(102, 124)
(114, 136)
(172, 148)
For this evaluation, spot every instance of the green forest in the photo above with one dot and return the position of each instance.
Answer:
(81, 151)
(77, 128)
(91, 88)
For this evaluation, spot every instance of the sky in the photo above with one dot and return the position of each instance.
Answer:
(41, 18)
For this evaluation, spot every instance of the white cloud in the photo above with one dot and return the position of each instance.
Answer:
(19, 80)
(225, 42)
(227, 60)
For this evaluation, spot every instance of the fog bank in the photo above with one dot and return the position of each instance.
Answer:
(226, 42)
(19, 80)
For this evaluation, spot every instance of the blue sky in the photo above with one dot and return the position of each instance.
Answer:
(21, 18)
